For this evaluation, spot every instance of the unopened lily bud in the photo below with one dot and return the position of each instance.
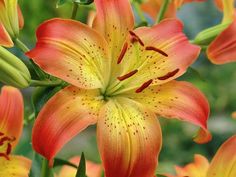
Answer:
(11, 17)
(205, 37)
(12, 70)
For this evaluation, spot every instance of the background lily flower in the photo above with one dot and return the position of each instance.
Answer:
(152, 7)
(11, 124)
(222, 49)
(222, 165)
(11, 20)
(121, 79)
(92, 169)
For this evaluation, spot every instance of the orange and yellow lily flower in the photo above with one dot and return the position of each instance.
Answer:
(11, 124)
(121, 79)
(222, 165)
(92, 169)
(152, 7)
(11, 20)
(223, 48)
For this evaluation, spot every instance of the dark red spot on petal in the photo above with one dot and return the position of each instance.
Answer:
(168, 75)
(122, 53)
(144, 86)
(126, 76)
(156, 50)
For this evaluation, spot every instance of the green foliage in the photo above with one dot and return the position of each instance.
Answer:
(81, 171)
(61, 162)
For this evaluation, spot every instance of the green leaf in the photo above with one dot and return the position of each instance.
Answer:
(84, 2)
(61, 162)
(41, 95)
(81, 171)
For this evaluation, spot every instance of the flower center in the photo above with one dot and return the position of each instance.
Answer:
(135, 45)
(5, 145)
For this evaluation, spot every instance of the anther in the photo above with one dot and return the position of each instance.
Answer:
(156, 50)
(168, 75)
(144, 86)
(126, 76)
(122, 53)
(135, 38)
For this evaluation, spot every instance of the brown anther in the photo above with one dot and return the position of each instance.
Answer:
(122, 53)
(126, 76)
(144, 86)
(168, 75)
(9, 148)
(135, 38)
(156, 50)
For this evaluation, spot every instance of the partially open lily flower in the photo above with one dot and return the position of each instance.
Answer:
(11, 124)
(223, 49)
(122, 79)
(92, 169)
(152, 7)
(222, 165)
(11, 20)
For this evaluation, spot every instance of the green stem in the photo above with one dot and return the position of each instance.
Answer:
(21, 45)
(138, 10)
(45, 170)
(75, 9)
(163, 10)
(36, 83)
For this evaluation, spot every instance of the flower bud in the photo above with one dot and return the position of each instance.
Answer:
(11, 17)
(206, 36)
(12, 70)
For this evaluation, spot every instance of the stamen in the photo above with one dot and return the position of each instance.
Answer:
(126, 76)
(9, 148)
(5, 138)
(156, 50)
(4, 155)
(144, 86)
(135, 38)
(122, 53)
(5, 141)
(168, 75)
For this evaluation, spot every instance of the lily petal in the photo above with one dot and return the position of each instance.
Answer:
(5, 39)
(114, 20)
(17, 166)
(177, 99)
(71, 51)
(20, 17)
(92, 169)
(11, 113)
(129, 139)
(224, 162)
(228, 9)
(223, 49)
(66, 114)
(161, 54)
(196, 169)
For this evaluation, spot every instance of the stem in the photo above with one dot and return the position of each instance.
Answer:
(36, 83)
(163, 10)
(21, 45)
(75, 9)
(45, 170)
(138, 10)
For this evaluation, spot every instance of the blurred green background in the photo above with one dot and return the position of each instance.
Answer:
(217, 82)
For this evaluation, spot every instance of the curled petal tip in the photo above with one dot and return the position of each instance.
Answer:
(203, 136)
